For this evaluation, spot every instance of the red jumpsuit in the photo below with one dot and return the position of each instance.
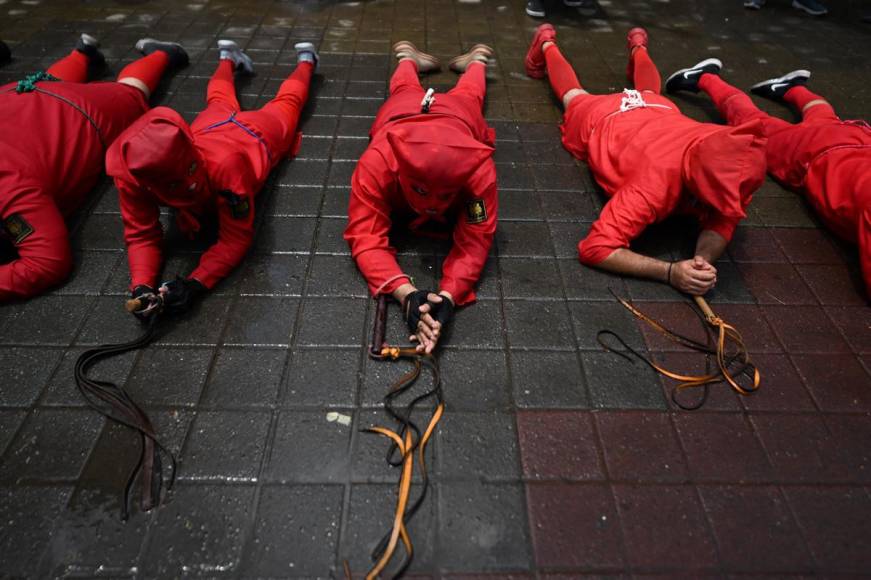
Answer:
(653, 161)
(435, 167)
(52, 145)
(218, 164)
(823, 157)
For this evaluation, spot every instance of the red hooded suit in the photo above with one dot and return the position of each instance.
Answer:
(823, 157)
(53, 139)
(653, 161)
(434, 167)
(218, 164)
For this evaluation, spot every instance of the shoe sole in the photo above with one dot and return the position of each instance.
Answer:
(796, 74)
(425, 62)
(460, 63)
(799, 6)
(702, 64)
(140, 44)
(535, 13)
(90, 40)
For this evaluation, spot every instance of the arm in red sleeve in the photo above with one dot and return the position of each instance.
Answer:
(44, 256)
(142, 234)
(472, 241)
(623, 218)
(369, 225)
(235, 235)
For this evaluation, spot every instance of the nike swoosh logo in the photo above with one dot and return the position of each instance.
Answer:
(687, 74)
(776, 86)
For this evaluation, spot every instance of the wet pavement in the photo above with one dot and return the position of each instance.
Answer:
(555, 458)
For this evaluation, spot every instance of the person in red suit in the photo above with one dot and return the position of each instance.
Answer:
(824, 158)
(56, 128)
(429, 164)
(652, 161)
(214, 166)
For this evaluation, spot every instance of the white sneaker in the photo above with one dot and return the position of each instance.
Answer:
(306, 52)
(231, 51)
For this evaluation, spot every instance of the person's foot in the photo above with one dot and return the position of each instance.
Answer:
(478, 53)
(90, 47)
(5, 53)
(687, 79)
(229, 50)
(535, 65)
(176, 53)
(812, 7)
(425, 62)
(754, 4)
(306, 52)
(777, 88)
(535, 8)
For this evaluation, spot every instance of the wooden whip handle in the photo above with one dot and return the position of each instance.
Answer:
(133, 305)
(704, 307)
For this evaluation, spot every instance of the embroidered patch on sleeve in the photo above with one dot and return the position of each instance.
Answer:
(476, 211)
(17, 228)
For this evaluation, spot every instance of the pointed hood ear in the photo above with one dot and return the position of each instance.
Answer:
(157, 153)
(440, 158)
(725, 168)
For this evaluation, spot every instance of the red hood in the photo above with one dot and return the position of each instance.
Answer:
(725, 168)
(434, 161)
(157, 154)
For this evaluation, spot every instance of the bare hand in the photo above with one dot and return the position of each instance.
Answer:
(695, 276)
(429, 329)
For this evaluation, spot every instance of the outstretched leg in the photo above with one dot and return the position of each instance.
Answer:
(145, 73)
(74, 67)
(290, 100)
(473, 66)
(735, 106)
(641, 70)
(813, 107)
(560, 74)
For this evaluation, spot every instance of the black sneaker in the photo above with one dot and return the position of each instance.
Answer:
(177, 55)
(812, 7)
(535, 8)
(5, 53)
(90, 47)
(687, 79)
(776, 88)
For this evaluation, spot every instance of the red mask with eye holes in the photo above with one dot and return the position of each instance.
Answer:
(157, 154)
(435, 163)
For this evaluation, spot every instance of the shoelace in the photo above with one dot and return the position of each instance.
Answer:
(731, 366)
(407, 440)
(112, 401)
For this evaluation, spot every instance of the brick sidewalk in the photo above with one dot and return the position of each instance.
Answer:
(555, 458)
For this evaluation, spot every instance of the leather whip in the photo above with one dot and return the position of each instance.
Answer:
(724, 344)
(407, 442)
(114, 402)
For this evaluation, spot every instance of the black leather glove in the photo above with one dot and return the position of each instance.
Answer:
(442, 312)
(180, 294)
(149, 302)
(411, 307)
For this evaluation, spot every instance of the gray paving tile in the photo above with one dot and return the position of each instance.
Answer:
(309, 449)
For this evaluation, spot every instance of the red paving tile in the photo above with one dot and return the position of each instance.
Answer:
(836, 523)
(851, 447)
(834, 284)
(755, 530)
(776, 284)
(805, 329)
(781, 388)
(806, 246)
(721, 397)
(722, 447)
(641, 447)
(755, 245)
(559, 445)
(574, 526)
(799, 447)
(688, 543)
(854, 324)
(836, 382)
